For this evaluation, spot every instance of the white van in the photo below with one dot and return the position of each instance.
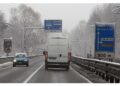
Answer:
(57, 53)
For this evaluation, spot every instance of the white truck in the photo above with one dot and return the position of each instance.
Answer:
(57, 52)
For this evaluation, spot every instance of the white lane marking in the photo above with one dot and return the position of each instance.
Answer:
(28, 79)
(5, 65)
(81, 76)
(4, 68)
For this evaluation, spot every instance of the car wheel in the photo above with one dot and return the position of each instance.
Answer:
(14, 65)
(27, 64)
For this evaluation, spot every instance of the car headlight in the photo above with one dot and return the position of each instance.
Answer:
(14, 60)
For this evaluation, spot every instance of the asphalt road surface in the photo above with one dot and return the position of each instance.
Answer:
(36, 73)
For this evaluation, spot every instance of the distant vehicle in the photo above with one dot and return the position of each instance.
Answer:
(57, 52)
(21, 59)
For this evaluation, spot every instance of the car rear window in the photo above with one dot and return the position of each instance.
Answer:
(20, 56)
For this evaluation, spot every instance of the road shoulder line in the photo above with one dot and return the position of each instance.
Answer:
(5, 65)
(81, 76)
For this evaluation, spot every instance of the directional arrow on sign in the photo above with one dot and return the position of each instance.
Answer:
(98, 40)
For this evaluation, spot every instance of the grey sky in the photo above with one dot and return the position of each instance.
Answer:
(71, 14)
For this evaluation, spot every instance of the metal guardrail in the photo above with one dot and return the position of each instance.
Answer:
(6, 59)
(34, 56)
(110, 71)
(10, 58)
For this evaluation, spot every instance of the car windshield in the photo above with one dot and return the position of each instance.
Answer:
(20, 56)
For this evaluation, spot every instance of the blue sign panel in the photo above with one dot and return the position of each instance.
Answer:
(53, 25)
(104, 38)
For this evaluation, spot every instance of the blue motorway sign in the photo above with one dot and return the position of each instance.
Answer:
(104, 38)
(53, 25)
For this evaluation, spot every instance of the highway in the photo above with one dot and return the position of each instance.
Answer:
(86, 49)
(36, 73)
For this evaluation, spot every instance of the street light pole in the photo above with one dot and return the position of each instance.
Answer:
(24, 40)
(91, 47)
(116, 11)
(24, 35)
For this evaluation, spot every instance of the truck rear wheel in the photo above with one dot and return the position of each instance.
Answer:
(46, 67)
(67, 68)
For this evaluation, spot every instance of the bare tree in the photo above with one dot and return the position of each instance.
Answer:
(3, 27)
(77, 38)
(102, 13)
(22, 17)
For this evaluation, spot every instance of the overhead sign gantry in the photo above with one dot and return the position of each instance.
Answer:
(53, 25)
